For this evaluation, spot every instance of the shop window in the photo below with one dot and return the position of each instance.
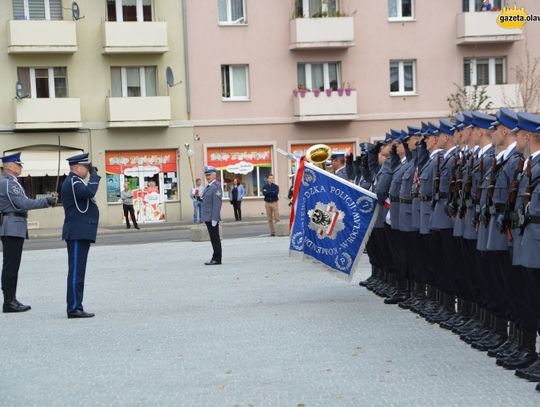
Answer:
(41, 187)
(151, 175)
(37, 9)
(250, 165)
(44, 82)
(300, 149)
(129, 10)
(133, 81)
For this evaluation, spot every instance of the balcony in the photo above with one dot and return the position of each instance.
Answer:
(135, 37)
(26, 36)
(502, 95)
(482, 27)
(152, 111)
(311, 108)
(320, 33)
(47, 113)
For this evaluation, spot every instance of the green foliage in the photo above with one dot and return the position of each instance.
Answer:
(471, 98)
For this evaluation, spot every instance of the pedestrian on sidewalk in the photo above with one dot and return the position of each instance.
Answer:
(80, 227)
(271, 193)
(14, 207)
(195, 195)
(211, 203)
(127, 204)
(236, 194)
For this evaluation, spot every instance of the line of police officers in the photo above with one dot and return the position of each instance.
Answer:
(457, 238)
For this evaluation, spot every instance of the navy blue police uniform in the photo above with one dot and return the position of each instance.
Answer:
(79, 230)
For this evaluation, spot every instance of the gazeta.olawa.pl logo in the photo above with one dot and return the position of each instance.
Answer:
(515, 17)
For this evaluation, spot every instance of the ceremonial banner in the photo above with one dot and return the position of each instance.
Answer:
(331, 220)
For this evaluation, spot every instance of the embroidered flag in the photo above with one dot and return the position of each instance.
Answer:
(331, 220)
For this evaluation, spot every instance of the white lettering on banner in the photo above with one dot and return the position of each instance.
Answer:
(313, 191)
(344, 197)
(146, 171)
(357, 219)
(242, 167)
(327, 251)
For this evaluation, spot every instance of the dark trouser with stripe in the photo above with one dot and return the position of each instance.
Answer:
(77, 256)
(12, 248)
(213, 231)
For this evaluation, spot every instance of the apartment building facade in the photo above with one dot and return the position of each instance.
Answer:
(288, 74)
(98, 84)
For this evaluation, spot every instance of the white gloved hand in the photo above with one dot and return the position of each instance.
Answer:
(214, 223)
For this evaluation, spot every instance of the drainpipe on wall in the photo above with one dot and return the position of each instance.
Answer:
(186, 59)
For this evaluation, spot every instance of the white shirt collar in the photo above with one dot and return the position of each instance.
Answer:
(475, 148)
(532, 157)
(483, 150)
(447, 153)
(404, 159)
(500, 156)
(435, 152)
(509, 149)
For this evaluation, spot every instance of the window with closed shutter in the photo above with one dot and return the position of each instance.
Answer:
(18, 10)
(55, 9)
(36, 9)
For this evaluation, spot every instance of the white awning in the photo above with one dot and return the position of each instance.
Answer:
(39, 163)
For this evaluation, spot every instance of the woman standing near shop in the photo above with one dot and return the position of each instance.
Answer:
(236, 194)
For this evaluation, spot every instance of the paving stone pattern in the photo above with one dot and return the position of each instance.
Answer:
(263, 329)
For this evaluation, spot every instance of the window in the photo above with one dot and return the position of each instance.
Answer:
(129, 10)
(476, 5)
(44, 82)
(250, 165)
(133, 81)
(484, 71)
(400, 10)
(402, 77)
(234, 82)
(232, 11)
(37, 9)
(316, 8)
(324, 75)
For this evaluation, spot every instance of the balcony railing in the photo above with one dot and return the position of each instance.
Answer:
(152, 111)
(502, 95)
(310, 107)
(324, 32)
(47, 113)
(482, 27)
(135, 37)
(30, 36)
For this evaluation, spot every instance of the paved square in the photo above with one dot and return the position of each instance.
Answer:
(261, 330)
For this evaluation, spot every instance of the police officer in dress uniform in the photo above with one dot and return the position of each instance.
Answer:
(80, 227)
(211, 207)
(338, 163)
(526, 229)
(14, 207)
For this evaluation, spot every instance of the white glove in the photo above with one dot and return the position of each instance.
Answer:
(214, 223)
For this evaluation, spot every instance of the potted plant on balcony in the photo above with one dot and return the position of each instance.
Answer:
(328, 92)
(340, 91)
(348, 89)
(316, 92)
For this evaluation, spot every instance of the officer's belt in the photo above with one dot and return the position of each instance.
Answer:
(425, 198)
(414, 195)
(532, 219)
(500, 207)
(394, 199)
(17, 214)
(405, 200)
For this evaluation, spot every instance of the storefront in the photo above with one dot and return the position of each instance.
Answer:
(152, 175)
(251, 165)
(299, 150)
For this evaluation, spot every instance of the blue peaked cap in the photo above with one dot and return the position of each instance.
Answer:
(12, 158)
(507, 118)
(467, 119)
(209, 169)
(78, 159)
(413, 131)
(447, 127)
(528, 122)
(433, 130)
(459, 121)
(483, 120)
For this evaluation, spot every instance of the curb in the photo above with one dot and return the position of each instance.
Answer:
(107, 231)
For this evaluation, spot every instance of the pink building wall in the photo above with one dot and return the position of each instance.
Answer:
(263, 44)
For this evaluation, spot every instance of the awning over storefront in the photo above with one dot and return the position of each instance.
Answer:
(146, 162)
(44, 162)
(346, 147)
(239, 160)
